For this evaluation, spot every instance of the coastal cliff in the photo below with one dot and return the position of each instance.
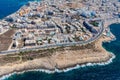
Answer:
(89, 49)
(60, 58)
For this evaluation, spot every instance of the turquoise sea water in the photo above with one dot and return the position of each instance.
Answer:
(107, 72)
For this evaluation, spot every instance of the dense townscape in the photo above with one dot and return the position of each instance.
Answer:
(61, 35)
(59, 23)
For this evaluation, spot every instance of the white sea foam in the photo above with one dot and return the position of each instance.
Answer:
(64, 70)
(6, 76)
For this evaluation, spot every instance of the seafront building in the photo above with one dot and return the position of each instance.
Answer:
(59, 22)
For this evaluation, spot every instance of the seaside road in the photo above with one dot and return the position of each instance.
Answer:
(57, 45)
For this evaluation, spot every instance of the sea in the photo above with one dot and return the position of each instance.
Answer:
(97, 72)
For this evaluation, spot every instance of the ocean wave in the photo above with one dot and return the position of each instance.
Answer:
(6, 76)
(63, 70)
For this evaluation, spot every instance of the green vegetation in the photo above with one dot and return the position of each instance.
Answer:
(94, 23)
(13, 27)
(49, 40)
(76, 38)
(31, 55)
(67, 29)
(83, 30)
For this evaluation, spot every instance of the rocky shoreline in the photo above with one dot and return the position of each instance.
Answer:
(62, 60)
(56, 59)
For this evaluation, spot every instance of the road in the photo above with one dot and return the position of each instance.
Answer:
(57, 45)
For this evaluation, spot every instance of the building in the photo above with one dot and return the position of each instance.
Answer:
(89, 27)
(30, 43)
